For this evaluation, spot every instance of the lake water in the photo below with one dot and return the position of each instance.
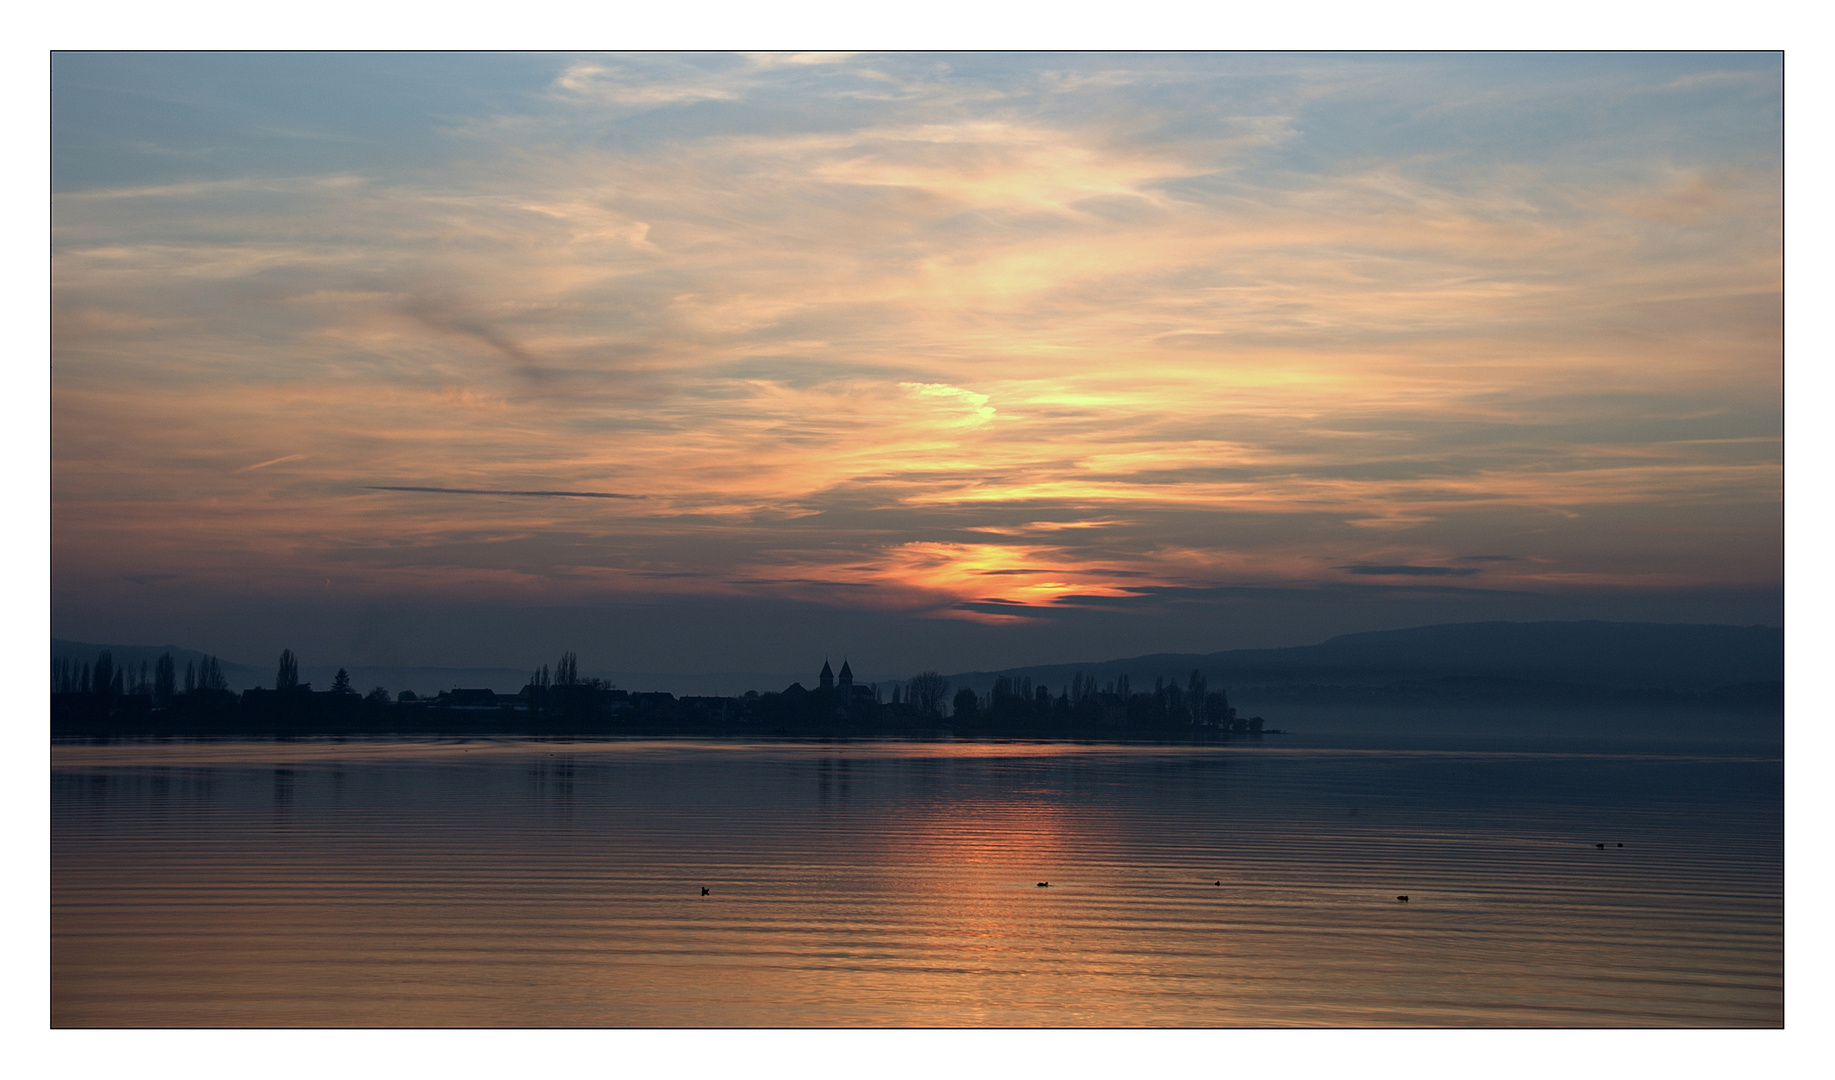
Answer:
(529, 883)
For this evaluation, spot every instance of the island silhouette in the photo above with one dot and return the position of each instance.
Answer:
(101, 699)
(1643, 665)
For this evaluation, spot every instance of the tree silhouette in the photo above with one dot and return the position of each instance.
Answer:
(210, 675)
(967, 704)
(287, 678)
(64, 675)
(340, 683)
(163, 680)
(102, 676)
(927, 691)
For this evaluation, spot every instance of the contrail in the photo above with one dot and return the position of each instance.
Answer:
(265, 464)
(495, 491)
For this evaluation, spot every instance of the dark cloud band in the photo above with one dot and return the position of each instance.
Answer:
(495, 491)
(1409, 571)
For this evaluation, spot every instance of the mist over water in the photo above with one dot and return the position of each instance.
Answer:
(522, 882)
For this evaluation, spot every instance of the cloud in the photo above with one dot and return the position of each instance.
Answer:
(271, 461)
(445, 318)
(615, 85)
(1404, 570)
(972, 408)
(1678, 199)
(1063, 323)
(997, 165)
(777, 59)
(1714, 79)
(494, 491)
(150, 578)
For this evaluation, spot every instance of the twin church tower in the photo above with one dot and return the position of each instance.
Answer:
(845, 695)
(847, 678)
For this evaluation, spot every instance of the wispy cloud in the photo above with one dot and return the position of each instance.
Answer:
(271, 461)
(496, 491)
(997, 332)
(1408, 571)
(611, 83)
(968, 407)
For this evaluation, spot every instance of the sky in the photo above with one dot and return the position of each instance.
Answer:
(735, 362)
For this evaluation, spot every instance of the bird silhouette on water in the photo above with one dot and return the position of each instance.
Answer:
(704, 891)
(1402, 899)
(1044, 884)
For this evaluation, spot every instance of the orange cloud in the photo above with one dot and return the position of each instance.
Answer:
(959, 353)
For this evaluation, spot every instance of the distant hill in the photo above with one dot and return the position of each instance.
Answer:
(239, 676)
(1470, 662)
(1593, 662)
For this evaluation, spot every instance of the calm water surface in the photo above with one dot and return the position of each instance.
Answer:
(517, 882)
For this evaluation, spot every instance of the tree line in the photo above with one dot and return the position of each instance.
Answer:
(102, 697)
(1010, 699)
(104, 679)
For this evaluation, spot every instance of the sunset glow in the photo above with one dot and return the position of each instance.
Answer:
(997, 340)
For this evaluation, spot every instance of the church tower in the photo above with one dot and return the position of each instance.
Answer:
(847, 678)
(828, 675)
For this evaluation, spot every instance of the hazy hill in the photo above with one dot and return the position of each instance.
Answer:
(1470, 661)
(239, 676)
(1593, 661)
